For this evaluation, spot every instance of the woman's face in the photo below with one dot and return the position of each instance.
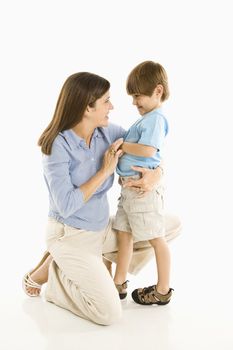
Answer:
(99, 113)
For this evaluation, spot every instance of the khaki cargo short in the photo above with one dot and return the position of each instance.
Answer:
(143, 216)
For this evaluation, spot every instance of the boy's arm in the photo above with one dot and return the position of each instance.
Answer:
(137, 149)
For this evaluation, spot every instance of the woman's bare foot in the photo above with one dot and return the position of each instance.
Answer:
(39, 275)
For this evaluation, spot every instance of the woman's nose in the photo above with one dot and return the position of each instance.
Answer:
(111, 106)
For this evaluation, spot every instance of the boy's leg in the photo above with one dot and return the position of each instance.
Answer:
(162, 256)
(142, 251)
(125, 250)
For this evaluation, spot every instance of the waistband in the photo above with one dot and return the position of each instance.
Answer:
(131, 177)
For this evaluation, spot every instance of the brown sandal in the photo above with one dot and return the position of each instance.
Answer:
(150, 296)
(122, 289)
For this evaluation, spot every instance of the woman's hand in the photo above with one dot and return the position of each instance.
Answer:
(110, 160)
(150, 178)
(111, 157)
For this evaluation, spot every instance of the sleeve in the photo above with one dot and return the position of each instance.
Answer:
(152, 133)
(116, 132)
(66, 197)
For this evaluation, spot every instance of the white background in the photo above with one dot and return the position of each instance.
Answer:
(43, 42)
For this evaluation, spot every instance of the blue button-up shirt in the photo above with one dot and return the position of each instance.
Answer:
(71, 164)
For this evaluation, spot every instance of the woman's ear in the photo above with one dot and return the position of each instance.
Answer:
(88, 110)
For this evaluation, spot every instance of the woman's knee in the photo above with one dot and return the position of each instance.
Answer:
(110, 314)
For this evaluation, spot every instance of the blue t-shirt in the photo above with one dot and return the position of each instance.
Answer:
(149, 130)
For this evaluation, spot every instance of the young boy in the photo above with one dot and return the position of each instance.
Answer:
(140, 215)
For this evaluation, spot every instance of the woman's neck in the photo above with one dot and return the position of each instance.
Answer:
(84, 131)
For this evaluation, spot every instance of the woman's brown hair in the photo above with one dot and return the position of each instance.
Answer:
(144, 78)
(79, 91)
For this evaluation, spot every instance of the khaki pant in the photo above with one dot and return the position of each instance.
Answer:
(79, 281)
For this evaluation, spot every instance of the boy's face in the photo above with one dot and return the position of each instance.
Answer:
(146, 103)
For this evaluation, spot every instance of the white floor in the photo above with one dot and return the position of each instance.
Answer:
(200, 316)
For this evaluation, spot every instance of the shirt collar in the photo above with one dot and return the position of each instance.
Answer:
(156, 110)
(74, 140)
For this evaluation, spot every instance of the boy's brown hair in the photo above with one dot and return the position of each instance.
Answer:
(144, 78)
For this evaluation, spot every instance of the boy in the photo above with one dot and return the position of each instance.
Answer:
(140, 216)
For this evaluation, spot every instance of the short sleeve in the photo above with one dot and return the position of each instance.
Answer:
(115, 132)
(153, 131)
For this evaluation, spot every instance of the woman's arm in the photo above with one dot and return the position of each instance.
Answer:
(109, 164)
(66, 197)
(150, 178)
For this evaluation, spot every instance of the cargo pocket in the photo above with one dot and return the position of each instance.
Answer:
(142, 218)
(141, 207)
(146, 219)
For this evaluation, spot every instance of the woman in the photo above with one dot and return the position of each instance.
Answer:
(80, 153)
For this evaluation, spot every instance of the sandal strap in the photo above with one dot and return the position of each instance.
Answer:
(28, 282)
(121, 287)
(150, 295)
(125, 284)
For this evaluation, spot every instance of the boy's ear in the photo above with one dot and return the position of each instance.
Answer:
(159, 90)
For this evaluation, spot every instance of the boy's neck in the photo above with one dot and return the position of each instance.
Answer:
(153, 109)
(159, 105)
